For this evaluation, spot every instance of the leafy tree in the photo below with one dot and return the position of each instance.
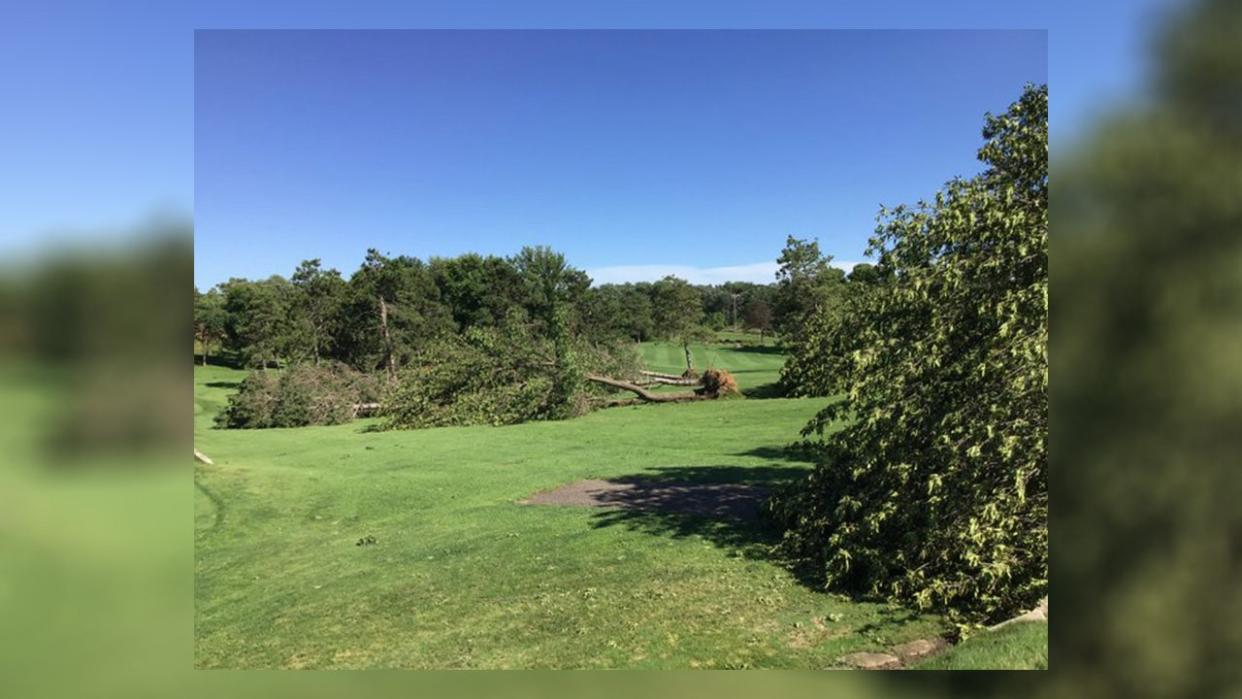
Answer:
(317, 308)
(258, 323)
(864, 273)
(821, 350)
(549, 282)
(477, 290)
(603, 312)
(210, 320)
(737, 296)
(758, 316)
(638, 319)
(804, 281)
(678, 312)
(936, 493)
(393, 309)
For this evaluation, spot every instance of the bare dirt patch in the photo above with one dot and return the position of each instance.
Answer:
(739, 501)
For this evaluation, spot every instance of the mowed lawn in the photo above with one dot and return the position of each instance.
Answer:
(462, 576)
(756, 367)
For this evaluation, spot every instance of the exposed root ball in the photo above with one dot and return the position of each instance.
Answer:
(718, 382)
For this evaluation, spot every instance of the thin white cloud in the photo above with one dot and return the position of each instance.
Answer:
(758, 272)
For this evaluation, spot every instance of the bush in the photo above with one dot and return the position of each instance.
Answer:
(303, 394)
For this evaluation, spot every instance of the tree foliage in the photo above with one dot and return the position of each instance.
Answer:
(304, 394)
(677, 312)
(805, 281)
(821, 349)
(935, 494)
(210, 320)
(500, 375)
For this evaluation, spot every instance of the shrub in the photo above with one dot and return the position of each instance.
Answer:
(303, 394)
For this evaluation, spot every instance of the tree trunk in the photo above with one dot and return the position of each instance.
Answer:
(642, 392)
(389, 363)
(689, 362)
(655, 377)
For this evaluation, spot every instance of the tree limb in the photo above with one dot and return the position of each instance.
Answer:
(642, 392)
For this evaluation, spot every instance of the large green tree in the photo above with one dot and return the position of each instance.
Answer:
(935, 494)
(478, 290)
(677, 308)
(805, 281)
(549, 283)
(393, 309)
(317, 307)
(259, 319)
(210, 320)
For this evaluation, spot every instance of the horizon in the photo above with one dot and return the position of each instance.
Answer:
(759, 273)
(634, 153)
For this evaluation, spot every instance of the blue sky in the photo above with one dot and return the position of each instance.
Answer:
(100, 127)
(622, 149)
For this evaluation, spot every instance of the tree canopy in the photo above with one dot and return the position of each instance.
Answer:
(935, 494)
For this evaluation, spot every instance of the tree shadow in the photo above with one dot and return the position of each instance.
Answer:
(767, 390)
(721, 504)
(222, 360)
(223, 384)
(797, 452)
(757, 349)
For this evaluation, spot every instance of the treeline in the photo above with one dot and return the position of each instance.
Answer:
(466, 340)
(390, 308)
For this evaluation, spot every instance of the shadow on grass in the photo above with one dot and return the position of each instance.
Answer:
(223, 384)
(756, 349)
(767, 390)
(797, 452)
(223, 360)
(721, 504)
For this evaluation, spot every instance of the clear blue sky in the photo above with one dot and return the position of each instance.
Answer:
(701, 148)
(98, 130)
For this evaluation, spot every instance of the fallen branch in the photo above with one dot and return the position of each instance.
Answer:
(643, 393)
(656, 380)
(661, 375)
(365, 409)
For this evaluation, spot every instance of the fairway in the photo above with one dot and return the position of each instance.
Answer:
(462, 576)
(757, 368)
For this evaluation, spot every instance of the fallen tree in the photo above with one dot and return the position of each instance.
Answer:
(713, 384)
(643, 393)
(651, 378)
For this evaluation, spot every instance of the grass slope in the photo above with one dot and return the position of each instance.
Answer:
(1020, 646)
(462, 576)
(756, 368)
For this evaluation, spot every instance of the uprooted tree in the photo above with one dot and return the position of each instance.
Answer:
(514, 373)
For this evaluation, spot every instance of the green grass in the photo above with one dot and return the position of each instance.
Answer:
(462, 576)
(1018, 646)
(756, 368)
